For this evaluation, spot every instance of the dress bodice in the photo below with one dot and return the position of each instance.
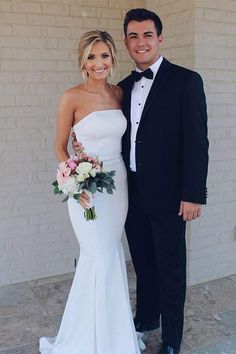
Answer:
(100, 133)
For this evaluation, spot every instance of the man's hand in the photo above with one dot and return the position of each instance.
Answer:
(189, 211)
(75, 144)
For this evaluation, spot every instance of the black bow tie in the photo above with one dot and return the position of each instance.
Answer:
(138, 75)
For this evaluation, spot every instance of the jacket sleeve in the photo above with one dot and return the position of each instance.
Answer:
(195, 141)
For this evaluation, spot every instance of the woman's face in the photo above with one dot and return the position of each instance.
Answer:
(99, 62)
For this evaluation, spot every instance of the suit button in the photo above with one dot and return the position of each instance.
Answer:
(139, 164)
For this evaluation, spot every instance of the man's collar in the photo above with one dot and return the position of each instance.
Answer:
(154, 67)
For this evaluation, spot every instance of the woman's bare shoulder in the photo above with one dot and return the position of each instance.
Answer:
(74, 91)
(72, 94)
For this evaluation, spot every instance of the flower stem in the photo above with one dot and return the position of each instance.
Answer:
(90, 214)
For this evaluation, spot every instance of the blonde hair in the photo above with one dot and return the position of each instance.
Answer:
(86, 43)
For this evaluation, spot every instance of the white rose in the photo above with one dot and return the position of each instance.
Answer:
(84, 168)
(69, 186)
(80, 178)
(93, 172)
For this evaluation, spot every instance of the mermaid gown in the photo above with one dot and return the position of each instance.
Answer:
(97, 317)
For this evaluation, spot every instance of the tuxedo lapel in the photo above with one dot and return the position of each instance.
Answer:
(158, 82)
(127, 89)
(127, 98)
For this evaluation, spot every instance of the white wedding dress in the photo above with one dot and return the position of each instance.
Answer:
(97, 317)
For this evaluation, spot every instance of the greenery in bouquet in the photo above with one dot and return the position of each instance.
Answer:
(83, 173)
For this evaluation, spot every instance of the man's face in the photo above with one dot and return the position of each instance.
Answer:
(143, 43)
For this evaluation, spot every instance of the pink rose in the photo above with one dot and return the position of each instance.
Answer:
(71, 163)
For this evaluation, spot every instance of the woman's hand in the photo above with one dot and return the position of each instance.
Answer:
(85, 200)
(75, 144)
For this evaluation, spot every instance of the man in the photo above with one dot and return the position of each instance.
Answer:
(165, 149)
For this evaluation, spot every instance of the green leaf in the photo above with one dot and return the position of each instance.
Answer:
(57, 190)
(93, 187)
(81, 186)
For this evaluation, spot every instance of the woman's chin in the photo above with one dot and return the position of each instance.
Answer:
(99, 77)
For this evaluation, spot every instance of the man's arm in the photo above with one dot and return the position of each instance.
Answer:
(195, 148)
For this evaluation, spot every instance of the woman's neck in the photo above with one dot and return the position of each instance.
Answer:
(96, 85)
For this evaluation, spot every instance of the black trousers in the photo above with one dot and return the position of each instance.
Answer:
(157, 246)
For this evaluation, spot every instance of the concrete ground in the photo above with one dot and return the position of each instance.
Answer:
(32, 309)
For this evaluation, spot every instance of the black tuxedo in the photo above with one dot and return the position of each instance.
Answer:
(171, 165)
(171, 143)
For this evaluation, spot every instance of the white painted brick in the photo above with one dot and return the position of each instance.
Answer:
(5, 30)
(70, 22)
(67, 43)
(229, 29)
(5, 6)
(226, 5)
(6, 53)
(70, 66)
(14, 18)
(58, 32)
(231, 132)
(77, 32)
(43, 65)
(13, 42)
(214, 15)
(26, 7)
(27, 31)
(28, 53)
(42, 20)
(43, 43)
(222, 75)
(230, 17)
(15, 65)
(230, 196)
(230, 64)
(55, 9)
(84, 11)
(225, 144)
(231, 41)
(112, 13)
(56, 54)
(7, 101)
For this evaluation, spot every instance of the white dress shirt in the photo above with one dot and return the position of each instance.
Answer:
(139, 95)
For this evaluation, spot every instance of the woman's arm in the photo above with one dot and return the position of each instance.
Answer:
(118, 94)
(65, 119)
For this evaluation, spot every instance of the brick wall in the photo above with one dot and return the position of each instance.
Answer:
(178, 29)
(212, 248)
(38, 61)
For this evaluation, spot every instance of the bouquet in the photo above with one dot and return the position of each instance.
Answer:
(83, 173)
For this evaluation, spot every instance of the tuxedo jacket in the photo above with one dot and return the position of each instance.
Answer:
(171, 142)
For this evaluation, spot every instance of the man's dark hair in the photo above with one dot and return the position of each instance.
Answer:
(142, 15)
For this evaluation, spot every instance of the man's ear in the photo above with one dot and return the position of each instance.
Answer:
(161, 39)
(125, 42)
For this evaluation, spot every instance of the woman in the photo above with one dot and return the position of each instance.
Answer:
(97, 317)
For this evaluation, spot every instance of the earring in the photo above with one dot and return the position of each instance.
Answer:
(111, 72)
